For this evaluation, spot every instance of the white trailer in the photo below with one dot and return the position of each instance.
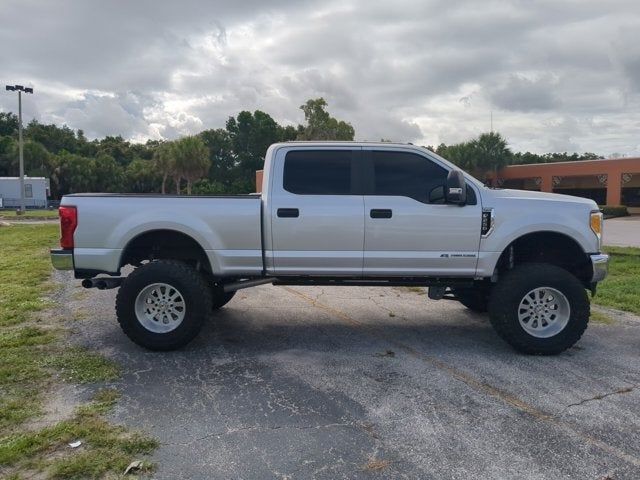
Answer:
(36, 192)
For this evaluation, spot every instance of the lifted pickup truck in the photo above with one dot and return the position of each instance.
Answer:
(343, 213)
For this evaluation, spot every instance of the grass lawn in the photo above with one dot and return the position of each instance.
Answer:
(33, 356)
(29, 214)
(621, 288)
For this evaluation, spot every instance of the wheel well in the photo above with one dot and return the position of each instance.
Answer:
(165, 244)
(547, 247)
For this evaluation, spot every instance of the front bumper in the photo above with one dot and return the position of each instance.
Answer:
(600, 264)
(62, 259)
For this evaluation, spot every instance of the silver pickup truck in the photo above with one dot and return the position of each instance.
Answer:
(343, 213)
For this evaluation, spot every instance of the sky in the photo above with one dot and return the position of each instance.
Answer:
(555, 75)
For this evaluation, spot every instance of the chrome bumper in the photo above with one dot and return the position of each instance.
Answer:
(600, 263)
(62, 259)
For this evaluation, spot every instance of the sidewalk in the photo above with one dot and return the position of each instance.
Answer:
(622, 232)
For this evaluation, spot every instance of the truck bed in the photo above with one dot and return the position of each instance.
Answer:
(227, 227)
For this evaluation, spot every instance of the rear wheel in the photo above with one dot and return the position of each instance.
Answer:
(539, 309)
(162, 305)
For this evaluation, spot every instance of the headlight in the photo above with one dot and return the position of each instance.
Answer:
(595, 221)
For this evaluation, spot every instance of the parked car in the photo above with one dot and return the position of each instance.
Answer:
(341, 214)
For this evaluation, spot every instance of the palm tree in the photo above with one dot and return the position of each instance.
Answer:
(191, 160)
(463, 155)
(164, 162)
(491, 153)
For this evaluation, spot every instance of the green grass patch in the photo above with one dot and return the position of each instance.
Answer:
(105, 447)
(29, 214)
(79, 365)
(621, 288)
(601, 318)
(32, 357)
(24, 270)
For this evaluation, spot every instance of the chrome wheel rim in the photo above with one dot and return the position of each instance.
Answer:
(544, 312)
(160, 308)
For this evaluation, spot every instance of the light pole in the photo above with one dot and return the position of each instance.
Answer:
(20, 89)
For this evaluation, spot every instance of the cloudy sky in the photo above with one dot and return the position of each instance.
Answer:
(557, 75)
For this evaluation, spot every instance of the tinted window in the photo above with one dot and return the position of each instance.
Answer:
(406, 174)
(321, 172)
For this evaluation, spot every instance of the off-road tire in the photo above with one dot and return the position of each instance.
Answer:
(514, 285)
(475, 299)
(193, 288)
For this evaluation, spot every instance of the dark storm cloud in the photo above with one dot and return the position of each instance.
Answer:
(525, 95)
(555, 74)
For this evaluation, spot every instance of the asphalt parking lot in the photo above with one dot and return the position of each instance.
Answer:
(310, 382)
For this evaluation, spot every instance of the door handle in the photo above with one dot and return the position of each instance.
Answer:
(381, 213)
(288, 213)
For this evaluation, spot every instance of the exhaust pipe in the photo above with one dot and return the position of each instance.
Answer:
(102, 283)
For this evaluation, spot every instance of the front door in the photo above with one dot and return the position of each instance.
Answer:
(317, 222)
(409, 230)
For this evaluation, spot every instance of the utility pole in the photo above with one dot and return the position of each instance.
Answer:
(20, 89)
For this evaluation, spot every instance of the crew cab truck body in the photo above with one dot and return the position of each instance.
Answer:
(343, 213)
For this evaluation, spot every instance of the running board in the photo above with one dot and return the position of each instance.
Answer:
(233, 286)
(383, 282)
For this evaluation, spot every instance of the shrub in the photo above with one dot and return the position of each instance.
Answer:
(611, 211)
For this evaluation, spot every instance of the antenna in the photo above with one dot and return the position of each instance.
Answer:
(491, 121)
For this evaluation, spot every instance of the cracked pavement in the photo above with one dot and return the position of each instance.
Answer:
(370, 382)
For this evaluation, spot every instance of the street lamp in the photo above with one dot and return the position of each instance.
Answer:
(20, 89)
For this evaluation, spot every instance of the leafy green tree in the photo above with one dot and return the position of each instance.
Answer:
(463, 155)
(251, 135)
(321, 125)
(289, 133)
(144, 151)
(141, 176)
(7, 161)
(208, 187)
(221, 155)
(191, 159)
(117, 147)
(36, 158)
(72, 174)
(107, 175)
(55, 139)
(8, 124)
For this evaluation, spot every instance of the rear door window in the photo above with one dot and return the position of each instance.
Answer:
(319, 172)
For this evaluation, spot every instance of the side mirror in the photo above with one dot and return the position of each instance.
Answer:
(456, 188)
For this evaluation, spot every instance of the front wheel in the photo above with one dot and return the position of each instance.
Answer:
(539, 309)
(163, 304)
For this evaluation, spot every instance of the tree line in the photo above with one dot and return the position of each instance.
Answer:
(215, 161)
(490, 152)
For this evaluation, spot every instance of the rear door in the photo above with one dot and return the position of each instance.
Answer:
(409, 231)
(317, 212)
